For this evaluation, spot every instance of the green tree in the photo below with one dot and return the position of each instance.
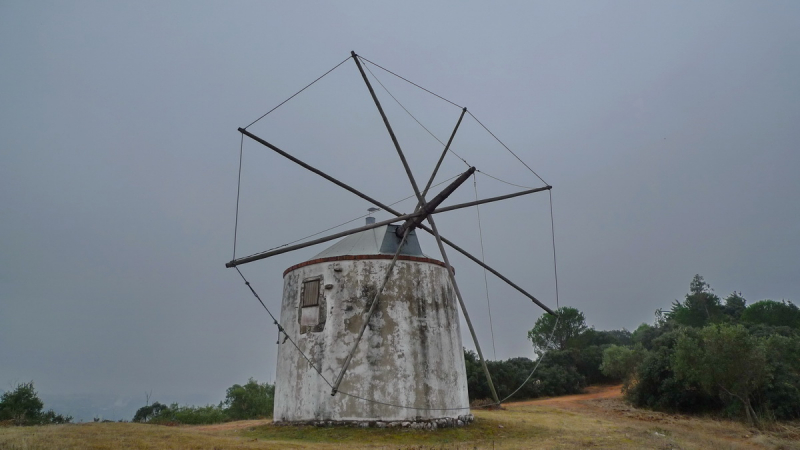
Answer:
(23, 407)
(781, 394)
(545, 335)
(251, 401)
(591, 337)
(770, 312)
(148, 412)
(644, 335)
(620, 362)
(700, 307)
(725, 360)
(735, 305)
(656, 386)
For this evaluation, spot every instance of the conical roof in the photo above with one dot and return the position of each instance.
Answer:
(377, 241)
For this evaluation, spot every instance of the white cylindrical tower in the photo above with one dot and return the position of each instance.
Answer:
(410, 355)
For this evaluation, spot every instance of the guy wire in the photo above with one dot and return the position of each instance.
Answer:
(483, 259)
(410, 82)
(301, 90)
(506, 147)
(238, 190)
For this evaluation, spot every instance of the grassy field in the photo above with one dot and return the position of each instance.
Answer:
(598, 419)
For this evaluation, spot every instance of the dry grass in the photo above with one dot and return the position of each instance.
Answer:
(597, 420)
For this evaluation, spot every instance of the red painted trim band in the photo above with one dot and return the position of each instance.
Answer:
(360, 257)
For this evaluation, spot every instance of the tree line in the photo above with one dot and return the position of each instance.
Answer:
(703, 355)
(253, 400)
(569, 357)
(711, 355)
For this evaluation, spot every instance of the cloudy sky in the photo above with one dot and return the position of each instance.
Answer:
(669, 132)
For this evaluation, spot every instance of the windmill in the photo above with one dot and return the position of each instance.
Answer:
(375, 319)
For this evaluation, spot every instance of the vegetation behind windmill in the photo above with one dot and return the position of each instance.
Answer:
(704, 355)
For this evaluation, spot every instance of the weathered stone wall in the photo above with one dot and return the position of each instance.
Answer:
(411, 352)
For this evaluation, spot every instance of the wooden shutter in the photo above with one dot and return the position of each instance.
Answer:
(310, 293)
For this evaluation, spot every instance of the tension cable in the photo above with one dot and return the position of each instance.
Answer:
(411, 82)
(506, 147)
(296, 93)
(483, 258)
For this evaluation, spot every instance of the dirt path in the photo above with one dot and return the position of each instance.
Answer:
(592, 393)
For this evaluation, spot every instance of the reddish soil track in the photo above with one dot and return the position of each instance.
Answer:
(592, 393)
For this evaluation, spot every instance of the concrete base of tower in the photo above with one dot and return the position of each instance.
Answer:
(420, 424)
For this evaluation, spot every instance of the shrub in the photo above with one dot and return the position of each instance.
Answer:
(190, 415)
(556, 375)
(619, 363)
(655, 386)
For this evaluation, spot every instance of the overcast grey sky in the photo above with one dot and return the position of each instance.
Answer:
(668, 130)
